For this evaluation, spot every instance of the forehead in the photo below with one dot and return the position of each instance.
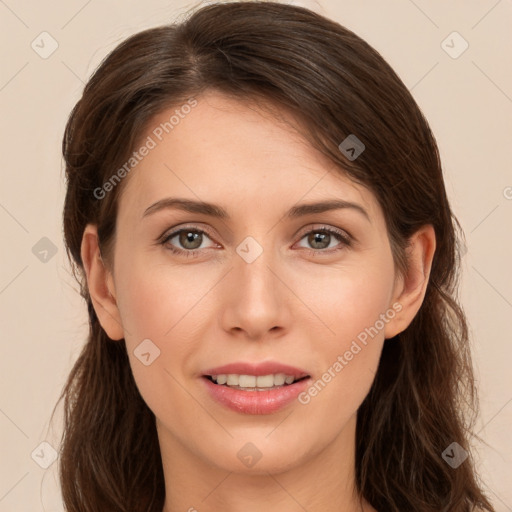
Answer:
(233, 152)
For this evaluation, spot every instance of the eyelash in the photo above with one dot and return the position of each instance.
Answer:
(344, 238)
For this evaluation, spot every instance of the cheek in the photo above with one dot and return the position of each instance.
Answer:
(348, 299)
(155, 309)
(165, 305)
(155, 301)
(353, 310)
(346, 369)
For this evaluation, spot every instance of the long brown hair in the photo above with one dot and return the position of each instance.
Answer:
(423, 397)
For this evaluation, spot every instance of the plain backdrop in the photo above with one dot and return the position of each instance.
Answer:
(463, 84)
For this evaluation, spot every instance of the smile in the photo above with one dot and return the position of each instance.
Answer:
(254, 382)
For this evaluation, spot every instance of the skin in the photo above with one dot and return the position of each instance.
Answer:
(289, 305)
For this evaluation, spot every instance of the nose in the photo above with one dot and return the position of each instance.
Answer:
(256, 300)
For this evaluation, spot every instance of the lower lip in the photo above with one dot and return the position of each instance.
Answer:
(256, 402)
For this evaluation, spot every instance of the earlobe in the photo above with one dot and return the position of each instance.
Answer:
(100, 284)
(411, 288)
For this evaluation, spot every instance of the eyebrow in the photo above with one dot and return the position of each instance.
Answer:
(217, 211)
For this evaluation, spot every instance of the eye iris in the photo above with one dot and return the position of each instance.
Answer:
(319, 237)
(189, 236)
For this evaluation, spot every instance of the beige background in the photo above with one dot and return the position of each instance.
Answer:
(467, 100)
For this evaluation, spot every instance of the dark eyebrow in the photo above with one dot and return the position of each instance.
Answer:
(187, 205)
(325, 206)
(213, 210)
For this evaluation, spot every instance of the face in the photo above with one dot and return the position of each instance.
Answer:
(267, 282)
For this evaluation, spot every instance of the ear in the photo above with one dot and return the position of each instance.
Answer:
(409, 290)
(101, 285)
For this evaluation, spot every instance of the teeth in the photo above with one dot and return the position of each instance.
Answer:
(221, 379)
(232, 380)
(253, 381)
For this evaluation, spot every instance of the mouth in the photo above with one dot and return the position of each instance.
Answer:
(255, 382)
(254, 388)
(246, 393)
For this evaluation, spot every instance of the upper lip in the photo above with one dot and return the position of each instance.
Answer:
(264, 368)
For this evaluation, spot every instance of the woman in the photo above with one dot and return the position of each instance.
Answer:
(256, 213)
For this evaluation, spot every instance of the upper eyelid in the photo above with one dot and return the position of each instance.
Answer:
(171, 233)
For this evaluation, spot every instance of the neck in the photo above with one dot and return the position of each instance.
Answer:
(322, 481)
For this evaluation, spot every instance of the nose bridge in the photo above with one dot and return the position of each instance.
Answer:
(256, 305)
(252, 268)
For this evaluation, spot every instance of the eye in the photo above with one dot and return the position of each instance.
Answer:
(321, 239)
(190, 240)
